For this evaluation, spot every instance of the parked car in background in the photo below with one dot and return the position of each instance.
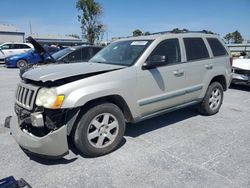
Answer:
(29, 58)
(241, 70)
(76, 54)
(8, 49)
(67, 55)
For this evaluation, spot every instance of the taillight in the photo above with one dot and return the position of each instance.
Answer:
(231, 61)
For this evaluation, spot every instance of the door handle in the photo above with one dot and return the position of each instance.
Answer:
(209, 66)
(178, 73)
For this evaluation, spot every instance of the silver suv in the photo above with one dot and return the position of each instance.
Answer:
(130, 80)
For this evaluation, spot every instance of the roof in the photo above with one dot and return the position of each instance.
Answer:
(8, 28)
(54, 37)
(169, 34)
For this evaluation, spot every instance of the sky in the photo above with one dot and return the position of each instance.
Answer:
(121, 17)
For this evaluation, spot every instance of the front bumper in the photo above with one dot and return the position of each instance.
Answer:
(241, 78)
(52, 145)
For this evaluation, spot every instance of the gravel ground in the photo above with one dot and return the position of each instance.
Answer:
(179, 149)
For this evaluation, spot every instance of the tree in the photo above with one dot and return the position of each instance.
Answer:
(228, 37)
(74, 36)
(147, 33)
(237, 38)
(176, 30)
(90, 25)
(137, 33)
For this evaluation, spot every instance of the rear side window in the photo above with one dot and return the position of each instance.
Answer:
(216, 47)
(170, 49)
(20, 46)
(195, 49)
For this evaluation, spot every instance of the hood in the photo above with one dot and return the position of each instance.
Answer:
(241, 64)
(61, 71)
(39, 49)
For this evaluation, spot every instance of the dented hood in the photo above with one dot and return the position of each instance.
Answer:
(241, 64)
(61, 71)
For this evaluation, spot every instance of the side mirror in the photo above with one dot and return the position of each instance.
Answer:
(155, 61)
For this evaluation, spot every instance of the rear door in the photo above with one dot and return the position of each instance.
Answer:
(198, 66)
(20, 48)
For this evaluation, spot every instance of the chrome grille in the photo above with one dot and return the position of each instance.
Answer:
(25, 96)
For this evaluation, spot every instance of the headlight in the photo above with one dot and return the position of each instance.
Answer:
(48, 98)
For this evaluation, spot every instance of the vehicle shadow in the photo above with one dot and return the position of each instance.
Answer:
(76, 152)
(132, 130)
(240, 87)
(135, 130)
(49, 162)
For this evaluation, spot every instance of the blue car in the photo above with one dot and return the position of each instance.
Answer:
(29, 58)
(22, 60)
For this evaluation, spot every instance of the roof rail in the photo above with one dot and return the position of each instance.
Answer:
(183, 31)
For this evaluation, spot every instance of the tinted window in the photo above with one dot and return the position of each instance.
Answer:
(195, 48)
(95, 50)
(85, 53)
(170, 49)
(75, 56)
(216, 47)
(24, 46)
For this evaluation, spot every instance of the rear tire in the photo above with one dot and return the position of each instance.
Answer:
(100, 130)
(212, 101)
(21, 63)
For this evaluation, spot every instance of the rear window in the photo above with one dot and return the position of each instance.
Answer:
(195, 49)
(216, 47)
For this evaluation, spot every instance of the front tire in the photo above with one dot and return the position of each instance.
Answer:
(21, 63)
(100, 130)
(212, 101)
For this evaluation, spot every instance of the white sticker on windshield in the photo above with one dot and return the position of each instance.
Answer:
(141, 43)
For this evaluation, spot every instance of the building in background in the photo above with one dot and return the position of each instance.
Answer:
(9, 33)
(58, 40)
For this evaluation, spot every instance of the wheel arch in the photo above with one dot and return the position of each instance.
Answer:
(221, 79)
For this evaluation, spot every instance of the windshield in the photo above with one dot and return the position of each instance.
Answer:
(62, 53)
(121, 53)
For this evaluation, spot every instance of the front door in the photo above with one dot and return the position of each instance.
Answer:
(162, 87)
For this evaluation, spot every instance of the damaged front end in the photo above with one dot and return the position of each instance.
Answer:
(241, 76)
(39, 130)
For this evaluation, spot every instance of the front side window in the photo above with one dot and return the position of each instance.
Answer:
(195, 49)
(170, 49)
(216, 47)
(6, 46)
(121, 53)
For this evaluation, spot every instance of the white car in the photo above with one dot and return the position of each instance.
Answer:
(241, 70)
(8, 49)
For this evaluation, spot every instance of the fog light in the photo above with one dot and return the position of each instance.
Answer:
(37, 119)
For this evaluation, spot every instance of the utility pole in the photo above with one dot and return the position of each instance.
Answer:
(30, 28)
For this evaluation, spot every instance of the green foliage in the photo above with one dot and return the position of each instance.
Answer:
(74, 36)
(237, 38)
(234, 37)
(228, 37)
(90, 25)
(137, 33)
(147, 33)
